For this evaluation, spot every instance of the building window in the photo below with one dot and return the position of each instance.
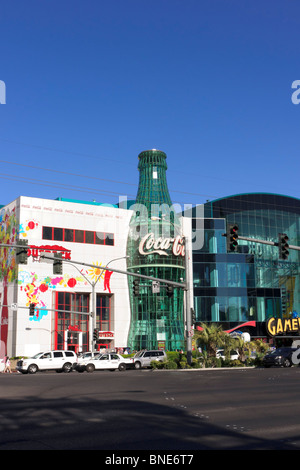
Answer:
(103, 314)
(47, 233)
(66, 321)
(58, 234)
(89, 237)
(78, 236)
(69, 235)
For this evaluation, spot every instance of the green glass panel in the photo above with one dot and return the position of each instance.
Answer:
(156, 319)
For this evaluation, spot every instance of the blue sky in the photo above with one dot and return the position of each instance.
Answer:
(89, 85)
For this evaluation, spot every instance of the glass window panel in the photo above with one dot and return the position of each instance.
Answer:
(67, 300)
(105, 325)
(58, 234)
(60, 297)
(47, 233)
(69, 235)
(105, 313)
(89, 237)
(99, 238)
(79, 236)
(58, 354)
(109, 239)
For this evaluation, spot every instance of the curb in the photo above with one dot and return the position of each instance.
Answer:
(204, 369)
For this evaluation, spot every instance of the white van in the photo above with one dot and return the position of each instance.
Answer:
(234, 355)
(143, 358)
(60, 361)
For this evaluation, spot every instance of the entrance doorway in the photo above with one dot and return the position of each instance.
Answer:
(73, 341)
(103, 346)
(71, 329)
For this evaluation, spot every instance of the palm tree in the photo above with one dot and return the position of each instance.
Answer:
(229, 345)
(242, 347)
(259, 347)
(210, 337)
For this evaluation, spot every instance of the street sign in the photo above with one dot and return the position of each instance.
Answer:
(155, 287)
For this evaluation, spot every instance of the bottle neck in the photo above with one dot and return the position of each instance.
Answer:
(153, 188)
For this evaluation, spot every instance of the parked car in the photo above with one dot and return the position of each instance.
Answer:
(82, 358)
(279, 357)
(234, 355)
(143, 358)
(110, 361)
(60, 361)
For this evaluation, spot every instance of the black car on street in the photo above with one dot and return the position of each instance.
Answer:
(281, 357)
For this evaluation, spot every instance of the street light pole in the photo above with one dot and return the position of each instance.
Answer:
(188, 313)
(94, 302)
(92, 323)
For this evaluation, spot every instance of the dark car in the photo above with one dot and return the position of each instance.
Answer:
(279, 357)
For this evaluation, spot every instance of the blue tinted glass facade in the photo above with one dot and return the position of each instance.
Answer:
(251, 284)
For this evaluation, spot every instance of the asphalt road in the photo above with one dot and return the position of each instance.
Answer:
(176, 411)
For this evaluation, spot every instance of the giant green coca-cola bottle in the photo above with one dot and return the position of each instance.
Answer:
(155, 248)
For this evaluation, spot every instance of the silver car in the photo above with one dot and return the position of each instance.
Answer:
(144, 358)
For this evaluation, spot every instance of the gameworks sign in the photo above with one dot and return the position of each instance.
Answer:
(277, 326)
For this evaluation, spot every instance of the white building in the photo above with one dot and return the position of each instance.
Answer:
(87, 233)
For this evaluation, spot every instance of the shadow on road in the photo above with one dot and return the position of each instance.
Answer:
(103, 424)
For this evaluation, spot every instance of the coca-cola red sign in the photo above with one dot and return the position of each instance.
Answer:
(106, 334)
(162, 246)
(74, 328)
(36, 251)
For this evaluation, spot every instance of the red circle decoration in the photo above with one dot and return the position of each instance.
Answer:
(72, 282)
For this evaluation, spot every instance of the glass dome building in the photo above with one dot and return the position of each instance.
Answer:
(246, 287)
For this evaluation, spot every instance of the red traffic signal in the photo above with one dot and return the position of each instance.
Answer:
(232, 237)
(283, 246)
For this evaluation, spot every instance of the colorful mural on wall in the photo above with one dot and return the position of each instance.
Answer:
(8, 271)
(36, 287)
(24, 229)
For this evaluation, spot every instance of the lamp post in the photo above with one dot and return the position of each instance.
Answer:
(94, 302)
(188, 311)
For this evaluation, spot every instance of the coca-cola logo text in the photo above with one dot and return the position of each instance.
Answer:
(162, 246)
(36, 251)
(106, 334)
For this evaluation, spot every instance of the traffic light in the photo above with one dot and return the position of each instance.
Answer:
(57, 264)
(136, 287)
(170, 290)
(31, 309)
(95, 334)
(193, 316)
(283, 246)
(232, 237)
(22, 253)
